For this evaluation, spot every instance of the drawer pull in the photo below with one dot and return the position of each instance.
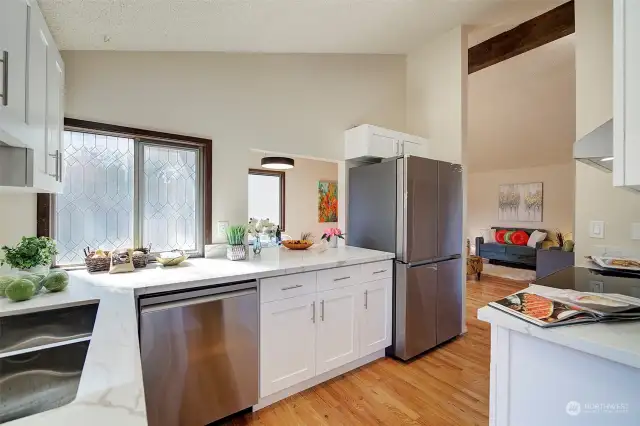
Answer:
(340, 279)
(291, 287)
(381, 271)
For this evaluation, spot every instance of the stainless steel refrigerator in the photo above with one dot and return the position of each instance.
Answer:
(412, 206)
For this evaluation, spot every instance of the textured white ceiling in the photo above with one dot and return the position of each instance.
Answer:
(522, 112)
(278, 26)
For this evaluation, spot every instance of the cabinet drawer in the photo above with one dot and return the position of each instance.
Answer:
(287, 286)
(377, 270)
(339, 277)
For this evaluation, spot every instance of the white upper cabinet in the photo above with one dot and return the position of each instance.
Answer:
(626, 93)
(375, 324)
(367, 141)
(13, 82)
(32, 89)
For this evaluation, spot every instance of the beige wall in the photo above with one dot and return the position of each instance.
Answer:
(558, 189)
(301, 194)
(291, 104)
(596, 198)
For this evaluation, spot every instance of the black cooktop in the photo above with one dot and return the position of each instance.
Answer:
(593, 280)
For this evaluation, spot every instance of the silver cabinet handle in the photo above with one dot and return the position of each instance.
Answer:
(57, 157)
(381, 271)
(291, 287)
(5, 78)
(313, 310)
(366, 299)
(322, 310)
(341, 279)
(59, 166)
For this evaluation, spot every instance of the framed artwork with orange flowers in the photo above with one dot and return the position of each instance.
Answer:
(327, 201)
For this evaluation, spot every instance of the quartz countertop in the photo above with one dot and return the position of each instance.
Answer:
(615, 341)
(111, 390)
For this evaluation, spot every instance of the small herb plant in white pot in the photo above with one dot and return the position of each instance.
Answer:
(236, 249)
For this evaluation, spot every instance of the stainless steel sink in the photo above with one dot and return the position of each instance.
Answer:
(41, 359)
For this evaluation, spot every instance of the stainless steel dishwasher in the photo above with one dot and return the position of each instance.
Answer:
(199, 353)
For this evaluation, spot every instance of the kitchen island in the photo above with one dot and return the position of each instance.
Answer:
(111, 388)
(584, 374)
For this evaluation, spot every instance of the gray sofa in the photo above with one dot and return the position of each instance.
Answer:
(509, 255)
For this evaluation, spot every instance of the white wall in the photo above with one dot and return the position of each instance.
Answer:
(558, 202)
(301, 190)
(596, 198)
(437, 94)
(292, 104)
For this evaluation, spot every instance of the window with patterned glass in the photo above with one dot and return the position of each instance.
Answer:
(124, 192)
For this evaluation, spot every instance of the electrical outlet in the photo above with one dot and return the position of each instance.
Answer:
(635, 231)
(222, 227)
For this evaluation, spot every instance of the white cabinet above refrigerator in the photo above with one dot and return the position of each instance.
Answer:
(373, 142)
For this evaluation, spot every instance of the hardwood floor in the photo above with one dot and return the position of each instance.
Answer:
(446, 386)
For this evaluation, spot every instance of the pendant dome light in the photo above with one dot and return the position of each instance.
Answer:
(277, 163)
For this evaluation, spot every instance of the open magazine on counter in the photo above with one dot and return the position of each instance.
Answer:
(563, 307)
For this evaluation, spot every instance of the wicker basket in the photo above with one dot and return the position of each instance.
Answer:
(140, 260)
(101, 264)
(98, 264)
(297, 245)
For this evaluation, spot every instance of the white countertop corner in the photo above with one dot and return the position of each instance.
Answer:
(615, 341)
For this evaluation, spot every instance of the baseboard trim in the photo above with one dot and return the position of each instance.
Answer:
(297, 388)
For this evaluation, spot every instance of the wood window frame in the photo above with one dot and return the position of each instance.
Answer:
(282, 176)
(46, 202)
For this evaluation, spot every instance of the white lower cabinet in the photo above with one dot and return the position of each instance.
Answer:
(375, 323)
(337, 339)
(287, 343)
(303, 336)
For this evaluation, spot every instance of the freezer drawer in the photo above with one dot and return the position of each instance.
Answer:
(449, 300)
(200, 355)
(415, 310)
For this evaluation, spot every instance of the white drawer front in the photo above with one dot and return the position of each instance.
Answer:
(339, 277)
(377, 270)
(287, 286)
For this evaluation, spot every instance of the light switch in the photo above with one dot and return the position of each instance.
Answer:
(635, 231)
(596, 229)
(222, 228)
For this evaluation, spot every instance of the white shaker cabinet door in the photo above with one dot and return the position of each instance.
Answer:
(13, 69)
(287, 343)
(375, 323)
(337, 341)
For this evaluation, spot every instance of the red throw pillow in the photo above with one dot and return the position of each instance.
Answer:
(500, 236)
(519, 238)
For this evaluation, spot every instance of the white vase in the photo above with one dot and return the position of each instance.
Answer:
(333, 243)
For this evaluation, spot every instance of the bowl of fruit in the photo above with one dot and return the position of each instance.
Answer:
(303, 243)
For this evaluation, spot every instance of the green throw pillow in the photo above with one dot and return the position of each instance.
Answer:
(507, 237)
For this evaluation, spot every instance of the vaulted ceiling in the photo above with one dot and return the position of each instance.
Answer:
(280, 26)
(522, 112)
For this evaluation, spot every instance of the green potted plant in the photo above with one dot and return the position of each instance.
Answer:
(236, 249)
(32, 254)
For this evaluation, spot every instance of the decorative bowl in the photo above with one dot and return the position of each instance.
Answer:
(297, 244)
(172, 261)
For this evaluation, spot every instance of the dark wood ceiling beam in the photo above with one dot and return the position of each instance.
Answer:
(542, 29)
